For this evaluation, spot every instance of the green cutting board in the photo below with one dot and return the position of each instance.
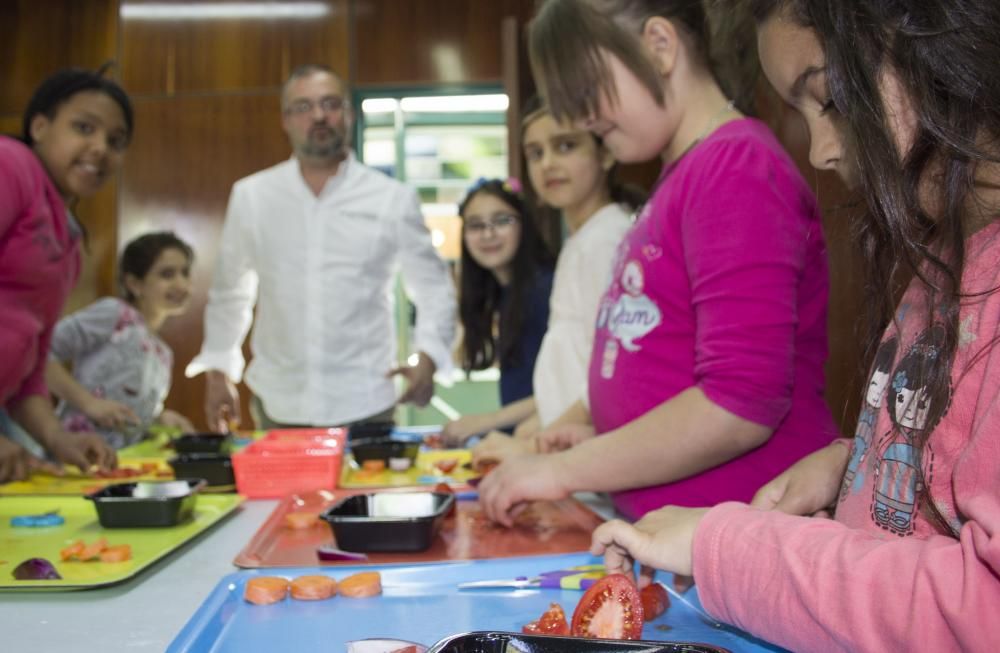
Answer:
(148, 544)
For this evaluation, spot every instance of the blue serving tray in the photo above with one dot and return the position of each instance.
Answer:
(419, 603)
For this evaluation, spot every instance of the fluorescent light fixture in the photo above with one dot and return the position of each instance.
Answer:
(455, 103)
(379, 105)
(216, 10)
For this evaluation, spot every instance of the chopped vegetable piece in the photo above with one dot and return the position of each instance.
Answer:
(654, 601)
(373, 465)
(610, 609)
(552, 622)
(264, 590)
(301, 520)
(313, 587)
(72, 551)
(119, 553)
(36, 569)
(91, 551)
(360, 585)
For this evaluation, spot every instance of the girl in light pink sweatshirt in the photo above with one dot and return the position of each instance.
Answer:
(902, 100)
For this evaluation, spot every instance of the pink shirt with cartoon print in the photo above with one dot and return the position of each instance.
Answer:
(882, 577)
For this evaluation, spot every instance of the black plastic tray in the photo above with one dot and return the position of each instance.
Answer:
(499, 642)
(384, 449)
(388, 521)
(203, 443)
(118, 506)
(216, 469)
(370, 430)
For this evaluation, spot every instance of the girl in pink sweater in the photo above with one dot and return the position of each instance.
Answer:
(901, 100)
(75, 132)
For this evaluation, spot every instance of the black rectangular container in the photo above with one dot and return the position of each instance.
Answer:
(387, 450)
(146, 503)
(498, 642)
(367, 430)
(388, 521)
(203, 443)
(216, 469)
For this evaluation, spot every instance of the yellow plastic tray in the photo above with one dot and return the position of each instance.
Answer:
(148, 544)
(423, 471)
(75, 484)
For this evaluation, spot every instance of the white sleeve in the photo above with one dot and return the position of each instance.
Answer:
(233, 293)
(427, 284)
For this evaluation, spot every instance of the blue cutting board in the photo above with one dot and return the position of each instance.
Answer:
(419, 603)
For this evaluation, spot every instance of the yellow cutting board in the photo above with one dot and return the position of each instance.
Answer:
(423, 471)
(73, 483)
(148, 544)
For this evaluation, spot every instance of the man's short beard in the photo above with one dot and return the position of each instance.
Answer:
(334, 148)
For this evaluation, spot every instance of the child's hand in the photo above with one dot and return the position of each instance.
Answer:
(84, 450)
(564, 436)
(109, 414)
(663, 539)
(809, 486)
(498, 447)
(457, 431)
(506, 490)
(16, 463)
(173, 419)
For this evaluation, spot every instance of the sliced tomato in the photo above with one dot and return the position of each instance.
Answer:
(373, 465)
(610, 609)
(655, 601)
(552, 622)
(445, 465)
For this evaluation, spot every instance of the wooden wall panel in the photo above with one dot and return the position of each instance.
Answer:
(37, 38)
(164, 57)
(430, 41)
(182, 166)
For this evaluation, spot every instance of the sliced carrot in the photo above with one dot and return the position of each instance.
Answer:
(119, 553)
(314, 587)
(373, 465)
(264, 590)
(360, 585)
(301, 520)
(91, 551)
(72, 551)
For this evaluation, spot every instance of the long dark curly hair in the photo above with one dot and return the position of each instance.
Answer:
(944, 53)
(491, 326)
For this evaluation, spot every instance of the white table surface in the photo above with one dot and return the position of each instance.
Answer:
(146, 612)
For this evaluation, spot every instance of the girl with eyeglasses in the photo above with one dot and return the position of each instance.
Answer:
(505, 280)
(572, 176)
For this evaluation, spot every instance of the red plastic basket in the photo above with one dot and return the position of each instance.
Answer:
(288, 461)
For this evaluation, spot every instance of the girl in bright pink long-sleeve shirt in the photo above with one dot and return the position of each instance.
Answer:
(75, 132)
(901, 100)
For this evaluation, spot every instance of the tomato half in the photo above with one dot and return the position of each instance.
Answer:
(655, 601)
(610, 609)
(552, 622)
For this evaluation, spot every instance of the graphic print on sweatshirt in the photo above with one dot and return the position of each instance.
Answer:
(901, 470)
(627, 313)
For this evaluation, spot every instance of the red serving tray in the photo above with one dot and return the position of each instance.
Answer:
(546, 527)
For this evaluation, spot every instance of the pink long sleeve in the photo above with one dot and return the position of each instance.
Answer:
(882, 577)
(817, 585)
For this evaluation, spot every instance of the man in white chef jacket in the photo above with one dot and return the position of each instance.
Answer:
(315, 242)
